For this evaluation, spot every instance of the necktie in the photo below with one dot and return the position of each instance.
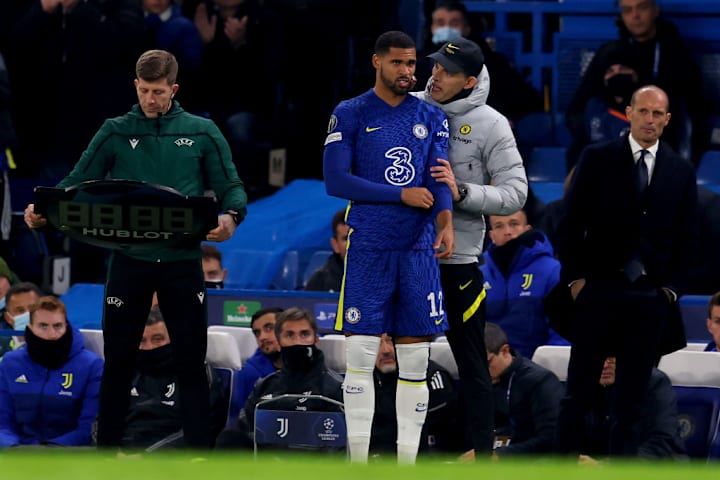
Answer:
(641, 173)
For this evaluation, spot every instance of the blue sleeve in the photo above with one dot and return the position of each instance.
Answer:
(441, 192)
(339, 182)
(82, 434)
(8, 426)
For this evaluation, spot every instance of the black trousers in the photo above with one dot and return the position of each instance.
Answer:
(613, 317)
(465, 305)
(128, 296)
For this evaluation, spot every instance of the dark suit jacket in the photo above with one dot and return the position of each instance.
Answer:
(606, 222)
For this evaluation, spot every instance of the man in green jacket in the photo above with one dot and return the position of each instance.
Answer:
(158, 142)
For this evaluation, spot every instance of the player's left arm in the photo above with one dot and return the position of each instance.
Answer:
(442, 208)
(508, 187)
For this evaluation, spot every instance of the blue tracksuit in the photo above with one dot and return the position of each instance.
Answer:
(49, 407)
(256, 367)
(518, 276)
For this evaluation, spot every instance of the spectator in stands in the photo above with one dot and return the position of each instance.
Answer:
(267, 357)
(511, 95)
(654, 433)
(713, 323)
(663, 60)
(175, 273)
(212, 266)
(704, 278)
(486, 177)
(170, 30)
(154, 419)
(625, 271)
(17, 313)
(527, 398)
(519, 271)
(329, 277)
(49, 389)
(604, 115)
(303, 372)
(8, 140)
(87, 48)
(552, 213)
(440, 431)
(7, 279)
(232, 35)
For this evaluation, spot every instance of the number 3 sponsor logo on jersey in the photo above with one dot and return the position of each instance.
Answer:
(401, 172)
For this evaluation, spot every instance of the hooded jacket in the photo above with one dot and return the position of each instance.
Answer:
(481, 149)
(49, 407)
(518, 276)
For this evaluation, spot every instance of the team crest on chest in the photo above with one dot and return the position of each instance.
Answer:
(184, 142)
(420, 131)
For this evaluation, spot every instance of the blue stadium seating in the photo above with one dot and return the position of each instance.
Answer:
(547, 164)
(698, 409)
(286, 277)
(708, 171)
(316, 260)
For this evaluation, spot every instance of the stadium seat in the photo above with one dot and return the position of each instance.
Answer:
(244, 339)
(286, 277)
(708, 171)
(547, 164)
(547, 191)
(698, 409)
(94, 341)
(534, 130)
(333, 347)
(316, 260)
(573, 55)
(321, 427)
(555, 358)
(696, 346)
(691, 368)
(222, 351)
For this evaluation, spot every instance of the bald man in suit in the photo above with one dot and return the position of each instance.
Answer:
(625, 243)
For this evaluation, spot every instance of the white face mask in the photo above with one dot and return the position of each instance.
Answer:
(445, 34)
(21, 321)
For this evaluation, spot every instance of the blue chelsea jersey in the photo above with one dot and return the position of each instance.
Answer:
(393, 146)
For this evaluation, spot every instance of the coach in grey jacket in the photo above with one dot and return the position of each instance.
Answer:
(486, 176)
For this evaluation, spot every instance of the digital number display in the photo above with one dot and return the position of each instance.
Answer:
(134, 218)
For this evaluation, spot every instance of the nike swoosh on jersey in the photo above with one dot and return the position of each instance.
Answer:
(463, 287)
(439, 321)
(372, 129)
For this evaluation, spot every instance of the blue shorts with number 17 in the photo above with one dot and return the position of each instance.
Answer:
(397, 292)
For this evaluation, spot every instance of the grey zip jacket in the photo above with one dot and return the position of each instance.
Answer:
(482, 150)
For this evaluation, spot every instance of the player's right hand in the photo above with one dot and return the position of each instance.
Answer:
(417, 197)
(32, 219)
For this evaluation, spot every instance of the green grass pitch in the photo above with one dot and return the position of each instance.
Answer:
(89, 465)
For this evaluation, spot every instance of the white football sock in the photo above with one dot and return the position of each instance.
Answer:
(359, 393)
(411, 401)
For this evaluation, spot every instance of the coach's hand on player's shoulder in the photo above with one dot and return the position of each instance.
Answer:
(444, 174)
(32, 219)
(417, 197)
(224, 230)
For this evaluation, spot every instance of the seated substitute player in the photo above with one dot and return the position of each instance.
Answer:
(378, 153)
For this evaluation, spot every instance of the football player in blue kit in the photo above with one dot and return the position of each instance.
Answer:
(378, 154)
